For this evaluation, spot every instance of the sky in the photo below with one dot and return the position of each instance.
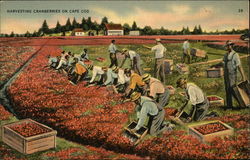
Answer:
(211, 15)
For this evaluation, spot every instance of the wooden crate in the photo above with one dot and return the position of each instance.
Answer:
(100, 59)
(135, 137)
(229, 131)
(242, 93)
(28, 145)
(182, 68)
(168, 65)
(171, 89)
(214, 72)
(200, 53)
(88, 62)
(215, 101)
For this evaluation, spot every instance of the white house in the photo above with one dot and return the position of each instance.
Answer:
(78, 32)
(113, 29)
(134, 33)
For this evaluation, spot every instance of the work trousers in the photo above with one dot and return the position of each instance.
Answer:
(159, 70)
(113, 60)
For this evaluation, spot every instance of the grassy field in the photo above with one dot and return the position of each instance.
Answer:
(211, 86)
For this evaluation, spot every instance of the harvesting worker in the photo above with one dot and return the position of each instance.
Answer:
(122, 81)
(84, 55)
(96, 72)
(147, 108)
(135, 83)
(232, 64)
(198, 99)
(186, 51)
(112, 54)
(135, 60)
(156, 90)
(111, 76)
(53, 61)
(80, 72)
(159, 51)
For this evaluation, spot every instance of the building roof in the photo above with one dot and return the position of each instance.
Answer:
(78, 30)
(113, 26)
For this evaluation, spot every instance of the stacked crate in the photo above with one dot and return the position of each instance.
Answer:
(214, 72)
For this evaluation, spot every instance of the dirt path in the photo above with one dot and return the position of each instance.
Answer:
(214, 60)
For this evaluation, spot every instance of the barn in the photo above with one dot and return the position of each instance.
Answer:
(113, 29)
(78, 32)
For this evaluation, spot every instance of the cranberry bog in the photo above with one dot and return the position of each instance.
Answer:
(95, 116)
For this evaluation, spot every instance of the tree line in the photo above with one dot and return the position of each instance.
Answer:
(88, 25)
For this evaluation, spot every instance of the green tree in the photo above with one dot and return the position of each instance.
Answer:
(12, 34)
(74, 24)
(89, 23)
(58, 27)
(126, 28)
(195, 31)
(199, 30)
(27, 34)
(147, 30)
(68, 25)
(134, 26)
(45, 27)
(103, 22)
(34, 34)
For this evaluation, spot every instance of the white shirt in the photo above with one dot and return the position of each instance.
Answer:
(96, 71)
(195, 94)
(159, 50)
(122, 78)
(112, 48)
(185, 45)
(132, 54)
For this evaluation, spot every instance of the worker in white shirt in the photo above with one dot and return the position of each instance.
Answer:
(53, 61)
(159, 51)
(186, 51)
(122, 79)
(135, 60)
(111, 76)
(97, 72)
(84, 55)
(63, 62)
(198, 99)
(112, 53)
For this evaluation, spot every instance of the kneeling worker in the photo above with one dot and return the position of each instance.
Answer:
(145, 107)
(156, 90)
(199, 101)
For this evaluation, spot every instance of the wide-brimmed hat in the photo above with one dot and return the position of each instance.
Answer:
(158, 39)
(114, 68)
(146, 77)
(124, 50)
(180, 82)
(90, 66)
(134, 96)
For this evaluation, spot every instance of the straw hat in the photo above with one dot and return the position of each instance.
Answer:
(134, 96)
(124, 50)
(229, 43)
(114, 68)
(180, 82)
(146, 77)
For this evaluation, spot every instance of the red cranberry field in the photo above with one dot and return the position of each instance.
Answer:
(210, 128)
(96, 117)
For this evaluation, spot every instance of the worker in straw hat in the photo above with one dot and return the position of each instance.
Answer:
(135, 60)
(135, 83)
(231, 64)
(146, 107)
(112, 76)
(159, 51)
(156, 90)
(198, 99)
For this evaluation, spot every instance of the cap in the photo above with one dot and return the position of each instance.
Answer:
(114, 68)
(134, 96)
(146, 77)
(158, 39)
(229, 43)
(180, 82)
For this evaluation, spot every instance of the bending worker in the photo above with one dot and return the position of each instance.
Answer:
(134, 58)
(135, 84)
(80, 72)
(199, 101)
(156, 90)
(146, 107)
(97, 72)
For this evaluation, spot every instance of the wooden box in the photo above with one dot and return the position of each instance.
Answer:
(100, 59)
(168, 66)
(242, 93)
(182, 68)
(215, 101)
(135, 137)
(200, 53)
(208, 137)
(214, 72)
(28, 145)
(88, 62)
(171, 89)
